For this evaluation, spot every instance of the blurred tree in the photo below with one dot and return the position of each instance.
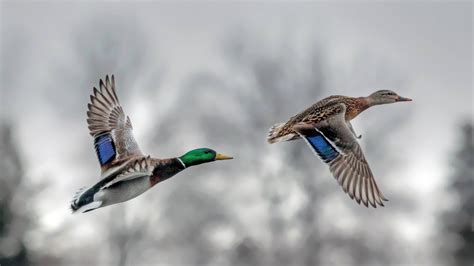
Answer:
(245, 253)
(117, 46)
(192, 217)
(258, 91)
(13, 223)
(263, 82)
(256, 96)
(459, 221)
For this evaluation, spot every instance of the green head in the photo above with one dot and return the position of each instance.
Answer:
(384, 97)
(203, 155)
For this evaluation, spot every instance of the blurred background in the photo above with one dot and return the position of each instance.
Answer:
(218, 75)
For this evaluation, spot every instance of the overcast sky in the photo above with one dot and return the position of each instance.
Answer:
(428, 45)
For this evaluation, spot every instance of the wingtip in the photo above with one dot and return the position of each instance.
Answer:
(366, 204)
(101, 84)
(95, 92)
(112, 80)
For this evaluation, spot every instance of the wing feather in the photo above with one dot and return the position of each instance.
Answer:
(137, 168)
(348, 165)
(105, 116)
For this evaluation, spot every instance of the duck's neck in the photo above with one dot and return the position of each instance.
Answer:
(367, 102)
(355, 106)
(165, 169)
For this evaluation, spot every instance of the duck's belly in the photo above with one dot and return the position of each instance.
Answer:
(123, 191)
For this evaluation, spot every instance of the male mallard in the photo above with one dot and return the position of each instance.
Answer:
(326, 128)
(126, 172)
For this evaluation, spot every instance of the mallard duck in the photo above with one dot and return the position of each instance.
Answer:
(326, 128)
(126, 171)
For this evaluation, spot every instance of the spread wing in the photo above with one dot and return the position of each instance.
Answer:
(110, 127)
(335, 144)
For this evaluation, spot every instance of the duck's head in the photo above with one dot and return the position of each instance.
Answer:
(202, 155)
(384, 97)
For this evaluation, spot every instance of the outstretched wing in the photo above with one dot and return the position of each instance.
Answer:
(335, 144)
(110, 127)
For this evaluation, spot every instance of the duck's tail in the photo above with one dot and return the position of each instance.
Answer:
(275, 135)
(83, 201)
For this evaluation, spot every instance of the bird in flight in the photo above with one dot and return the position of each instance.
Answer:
(326, 128)
(125, 171)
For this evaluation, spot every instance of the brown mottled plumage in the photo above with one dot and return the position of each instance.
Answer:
(320, 111)
(326, 128)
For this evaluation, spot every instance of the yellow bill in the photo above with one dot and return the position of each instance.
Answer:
(220, 156)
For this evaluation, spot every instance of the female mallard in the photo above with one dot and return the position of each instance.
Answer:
(126, 172)
(326, 128)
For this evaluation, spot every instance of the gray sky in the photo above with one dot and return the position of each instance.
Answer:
(427, 45)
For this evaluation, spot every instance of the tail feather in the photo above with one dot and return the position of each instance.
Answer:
(84, 203)
(88, 207)
(274, 134)
(77, 195)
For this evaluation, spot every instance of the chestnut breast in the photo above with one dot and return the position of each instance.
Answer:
(354, 106)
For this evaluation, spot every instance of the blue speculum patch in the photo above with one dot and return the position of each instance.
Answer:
(105, 148)
(323, 148)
